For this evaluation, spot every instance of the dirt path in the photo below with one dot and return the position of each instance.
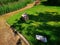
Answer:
(7, 36)
(5, 16)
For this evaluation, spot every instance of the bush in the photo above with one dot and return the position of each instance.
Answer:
(6, 1)
(13, 6)
(54, 2)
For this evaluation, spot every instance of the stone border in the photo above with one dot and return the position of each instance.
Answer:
(21, 36)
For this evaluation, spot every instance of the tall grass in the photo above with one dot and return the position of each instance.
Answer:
(7, 1)
(13, 6)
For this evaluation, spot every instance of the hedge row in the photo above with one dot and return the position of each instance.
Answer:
(13, 6)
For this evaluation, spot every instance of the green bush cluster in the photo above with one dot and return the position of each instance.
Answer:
(13, 6)
(6, 1)
(54, 2)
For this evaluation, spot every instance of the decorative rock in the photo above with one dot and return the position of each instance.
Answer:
(41, 38)
(24, 17)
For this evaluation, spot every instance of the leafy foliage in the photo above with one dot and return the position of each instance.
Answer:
(54, 2)
(6, 1)
(43, 20)
(13, 6)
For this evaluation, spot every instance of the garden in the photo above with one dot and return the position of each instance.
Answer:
(43, 20)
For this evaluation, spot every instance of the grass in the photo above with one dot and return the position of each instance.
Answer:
(3, 2)
(7, 1)
(18, 4)
(43, 20)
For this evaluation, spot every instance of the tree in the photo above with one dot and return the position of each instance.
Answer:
(54, 2)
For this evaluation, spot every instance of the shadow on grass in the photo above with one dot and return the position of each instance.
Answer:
(50, 3)
(30, 30)
(51, 32)
(46, 17)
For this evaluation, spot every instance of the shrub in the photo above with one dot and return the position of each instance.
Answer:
(54, 2)
(7, 1)
(13, 6)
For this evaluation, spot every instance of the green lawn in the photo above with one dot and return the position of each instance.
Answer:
(43, 20)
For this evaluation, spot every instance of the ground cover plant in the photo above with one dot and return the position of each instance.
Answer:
(12, 6)
(6, 1)
(43, 20)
